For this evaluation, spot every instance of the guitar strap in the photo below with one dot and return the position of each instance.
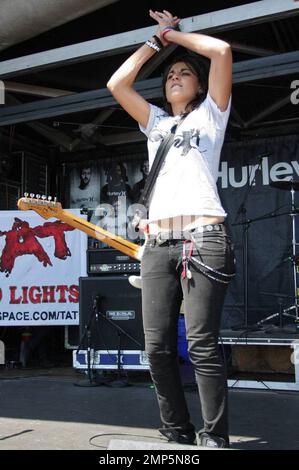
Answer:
(155, 169)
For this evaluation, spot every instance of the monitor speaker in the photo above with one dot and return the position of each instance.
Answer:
(110, 309)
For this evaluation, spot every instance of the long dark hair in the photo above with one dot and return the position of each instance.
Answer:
(201, 69)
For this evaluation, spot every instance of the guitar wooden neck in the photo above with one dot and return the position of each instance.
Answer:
(48, 209)
(129, 248)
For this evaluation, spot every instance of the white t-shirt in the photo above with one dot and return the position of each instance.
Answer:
(186, 184)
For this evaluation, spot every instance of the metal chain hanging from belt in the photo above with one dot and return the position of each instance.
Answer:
(206, 270)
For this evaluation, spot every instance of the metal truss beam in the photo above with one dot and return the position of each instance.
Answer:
(245, 71)
(35, 90)
(267, 67)
(53, 135)
(221, 20)
(268, 111)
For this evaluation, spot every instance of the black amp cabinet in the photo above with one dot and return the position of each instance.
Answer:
(118, 304)
(112, 265)
(110, 324)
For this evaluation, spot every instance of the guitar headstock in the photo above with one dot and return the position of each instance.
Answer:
(45, 207)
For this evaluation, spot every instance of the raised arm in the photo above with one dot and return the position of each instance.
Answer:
(121, 85)
(121, 82)
(218, 51)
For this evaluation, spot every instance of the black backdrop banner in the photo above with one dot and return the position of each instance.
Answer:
(246, 170)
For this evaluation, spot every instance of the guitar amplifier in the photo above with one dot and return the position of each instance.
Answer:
(119, 318)
(110, 261)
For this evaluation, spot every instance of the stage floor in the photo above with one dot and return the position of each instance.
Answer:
(42, 409)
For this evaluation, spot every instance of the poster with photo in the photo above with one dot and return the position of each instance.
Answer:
(107, 189)
(84, 190)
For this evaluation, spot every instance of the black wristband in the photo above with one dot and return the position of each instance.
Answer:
(158, 41)
(153, 45)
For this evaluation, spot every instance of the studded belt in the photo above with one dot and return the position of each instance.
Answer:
(168, 235)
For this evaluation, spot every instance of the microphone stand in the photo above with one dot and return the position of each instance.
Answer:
(91, 381)
(246, 224)
(282, 311)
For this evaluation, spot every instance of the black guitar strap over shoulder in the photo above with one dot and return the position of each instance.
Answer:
(157, 164)
(155, 169)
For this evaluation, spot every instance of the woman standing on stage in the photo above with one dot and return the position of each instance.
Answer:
(188, 253)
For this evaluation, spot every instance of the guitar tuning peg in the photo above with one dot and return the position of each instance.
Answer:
(32, 195)
(26, 194)
(49, 198)
(44, 197)
(37, 196)
(55, 199)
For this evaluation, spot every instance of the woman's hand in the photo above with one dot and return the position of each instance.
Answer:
(164, 19)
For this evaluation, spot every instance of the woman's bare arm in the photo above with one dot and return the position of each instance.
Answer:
(121, 82)
(218, 51)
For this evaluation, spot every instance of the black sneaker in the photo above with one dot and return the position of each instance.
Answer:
(212, 441)
(187, 437)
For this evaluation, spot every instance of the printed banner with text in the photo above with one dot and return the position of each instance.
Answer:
(40, 264)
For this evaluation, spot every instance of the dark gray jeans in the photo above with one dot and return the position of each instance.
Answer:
(162, 292)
